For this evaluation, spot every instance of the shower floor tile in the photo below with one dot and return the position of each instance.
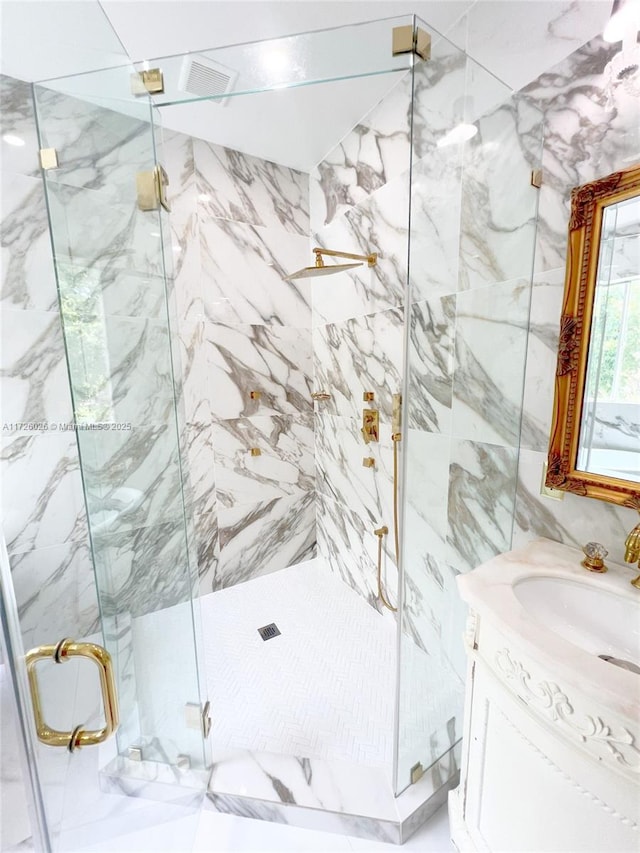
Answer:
(324, 688)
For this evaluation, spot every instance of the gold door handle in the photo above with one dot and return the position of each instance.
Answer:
(60, 653)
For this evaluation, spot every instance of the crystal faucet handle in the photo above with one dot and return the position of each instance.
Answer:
(594, 557)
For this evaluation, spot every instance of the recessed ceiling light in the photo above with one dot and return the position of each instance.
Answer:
(11, 139)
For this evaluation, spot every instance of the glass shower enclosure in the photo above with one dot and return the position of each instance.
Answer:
(157, 308)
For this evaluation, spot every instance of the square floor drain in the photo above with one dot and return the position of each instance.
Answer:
(269, 631)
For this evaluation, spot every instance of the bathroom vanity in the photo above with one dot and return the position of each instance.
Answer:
(551, 754)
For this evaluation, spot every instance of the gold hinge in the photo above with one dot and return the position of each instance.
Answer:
(206, 719)
(151, 188)
(536, 178)
(409, 40)
(198, 717)
(149, 82)
(48, 158)
(417, 772)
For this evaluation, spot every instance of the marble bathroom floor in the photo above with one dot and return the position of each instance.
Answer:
(212, 832)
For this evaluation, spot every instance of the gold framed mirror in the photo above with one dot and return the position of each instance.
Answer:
(594, 448)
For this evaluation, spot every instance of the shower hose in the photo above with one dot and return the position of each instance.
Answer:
(382, 531)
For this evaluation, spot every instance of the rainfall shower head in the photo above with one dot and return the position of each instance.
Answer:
(321, 269)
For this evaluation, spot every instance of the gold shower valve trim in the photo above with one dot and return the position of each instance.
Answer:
(255, 395)
(255, 451)
(370, 425)
(369, 462)
(368, 396)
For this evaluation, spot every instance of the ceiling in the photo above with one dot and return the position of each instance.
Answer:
(516, 40)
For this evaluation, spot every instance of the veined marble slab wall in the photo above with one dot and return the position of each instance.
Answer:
(589, 133)
(360, 203)
(473, 217)
(239, 225)
(43, 511)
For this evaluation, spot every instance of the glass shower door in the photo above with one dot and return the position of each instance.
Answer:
(473, 221)
(115, 304)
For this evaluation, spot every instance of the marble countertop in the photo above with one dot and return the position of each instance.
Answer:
(489, 591)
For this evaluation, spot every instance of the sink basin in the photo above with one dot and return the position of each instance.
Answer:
(598, 620)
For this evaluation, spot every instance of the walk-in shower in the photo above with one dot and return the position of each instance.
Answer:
(218, 400)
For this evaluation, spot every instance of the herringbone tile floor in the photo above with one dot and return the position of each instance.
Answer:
(324, 688)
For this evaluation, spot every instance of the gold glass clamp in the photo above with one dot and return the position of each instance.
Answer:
(151, 189)
(61, 652)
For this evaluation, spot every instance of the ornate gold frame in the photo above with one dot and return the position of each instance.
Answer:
(587, 203)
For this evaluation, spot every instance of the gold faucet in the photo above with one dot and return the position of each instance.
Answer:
(632, 551)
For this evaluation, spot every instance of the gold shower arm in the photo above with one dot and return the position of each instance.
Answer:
(332, 253)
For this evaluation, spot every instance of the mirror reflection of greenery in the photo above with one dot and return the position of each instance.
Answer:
(619, 374)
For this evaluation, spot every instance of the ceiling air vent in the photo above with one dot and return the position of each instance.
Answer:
(205, 78)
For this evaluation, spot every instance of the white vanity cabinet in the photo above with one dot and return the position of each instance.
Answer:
(551, 752)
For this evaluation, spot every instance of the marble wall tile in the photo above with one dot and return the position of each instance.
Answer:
(232, 185)
(55, 591)
(437, 86)
(431, 364)
(123, 562)
(90, 227)
(542, 354)
(374, 152)
(589, 133)
(132, 478)
(42, 496)
(284, 468)
(196, 381)
(482, 485)
(208, 551)
(436, 187)
(35, 386)
(178, 161)
(256, 539)
(201, 467)
(183, 233)
(274, 360)
(99, 149)
(487, 387)
(105, 289)
(380, 224)
(356, 355)
(575, 520)
(28, 279)
(349, 548)
(121, 369)
(498, 202)
(17, 118)
(341, 476)
(235, 254)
